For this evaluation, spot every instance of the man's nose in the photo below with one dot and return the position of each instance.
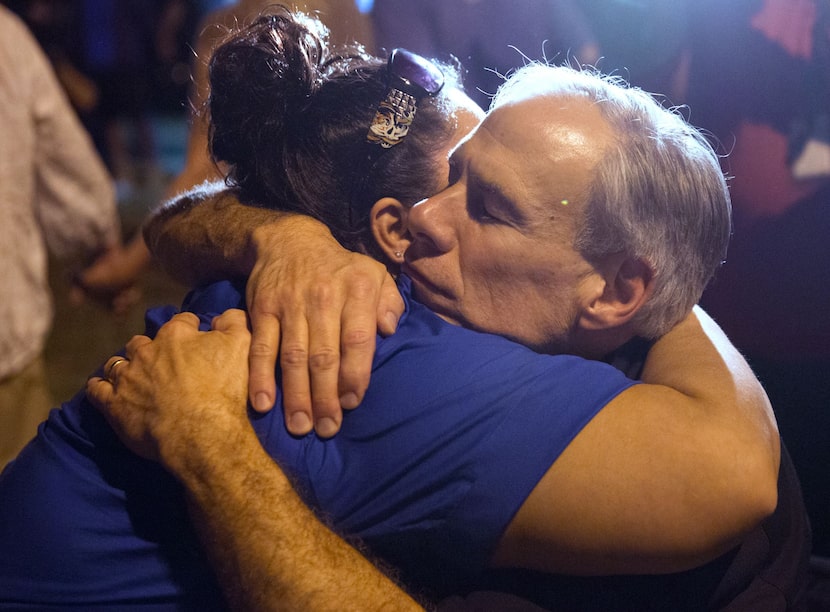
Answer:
(431, 222)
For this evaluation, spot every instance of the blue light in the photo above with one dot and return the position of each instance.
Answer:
(364, 6)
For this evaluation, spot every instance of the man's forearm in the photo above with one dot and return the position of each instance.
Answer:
(179, 399)
(206, 234)
(269, 550)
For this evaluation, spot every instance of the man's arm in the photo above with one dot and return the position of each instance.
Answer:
(238, 495)
(322, 314)
(646, 487)
(205, 234)
(669, 475)
(75, 198)
(270, 551)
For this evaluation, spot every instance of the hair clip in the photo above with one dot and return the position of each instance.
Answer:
(392, 119)
(411, 78)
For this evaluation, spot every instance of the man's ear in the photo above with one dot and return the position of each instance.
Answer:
(390, 229)
(625, 285)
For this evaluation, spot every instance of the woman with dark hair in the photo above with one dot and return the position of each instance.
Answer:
(82, 520)
(294, 120)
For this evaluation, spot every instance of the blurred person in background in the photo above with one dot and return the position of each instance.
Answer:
(55, 196)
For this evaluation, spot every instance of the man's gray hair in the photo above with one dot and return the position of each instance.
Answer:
(659, 193)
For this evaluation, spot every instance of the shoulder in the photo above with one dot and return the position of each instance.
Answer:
(484, 370)
(16, 41)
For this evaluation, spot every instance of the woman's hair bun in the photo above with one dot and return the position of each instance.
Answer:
(261, 79)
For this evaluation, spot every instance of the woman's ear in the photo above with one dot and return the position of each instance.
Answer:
(390, 229)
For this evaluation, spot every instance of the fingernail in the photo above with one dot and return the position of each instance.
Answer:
(392, 320)
(299, 423)
(348, 401)
(326, 427)
(262, 403)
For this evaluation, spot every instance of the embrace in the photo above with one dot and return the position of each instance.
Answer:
(547, 417)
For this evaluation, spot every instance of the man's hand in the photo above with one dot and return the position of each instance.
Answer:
(180, 400)
(308, 297)
(184, 391)
(321, 305)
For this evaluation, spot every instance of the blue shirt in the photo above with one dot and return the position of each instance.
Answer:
(455, 430)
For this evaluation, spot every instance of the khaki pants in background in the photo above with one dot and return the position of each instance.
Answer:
(24, 404)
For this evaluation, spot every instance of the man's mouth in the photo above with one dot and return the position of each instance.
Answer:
(437, 300)
(423, 287)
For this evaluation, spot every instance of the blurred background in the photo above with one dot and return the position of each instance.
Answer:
(755, 74)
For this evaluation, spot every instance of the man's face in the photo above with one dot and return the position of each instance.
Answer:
(493, 251)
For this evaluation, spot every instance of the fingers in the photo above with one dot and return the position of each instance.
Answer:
(262, 359)
(390, 307)
(311, 363)
(357, 340)
(182, 322)
(324, 361)
(111, 368)
(231, 321)
(135, 343)
(358, 334)
(100, 392)
(313, 311)
(296, 386)
(147, 394)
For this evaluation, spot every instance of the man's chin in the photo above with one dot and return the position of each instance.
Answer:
(432, 297)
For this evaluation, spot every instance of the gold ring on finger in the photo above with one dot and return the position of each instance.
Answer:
(110, 371)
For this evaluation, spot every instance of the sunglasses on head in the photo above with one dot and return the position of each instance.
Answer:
(410, 79)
